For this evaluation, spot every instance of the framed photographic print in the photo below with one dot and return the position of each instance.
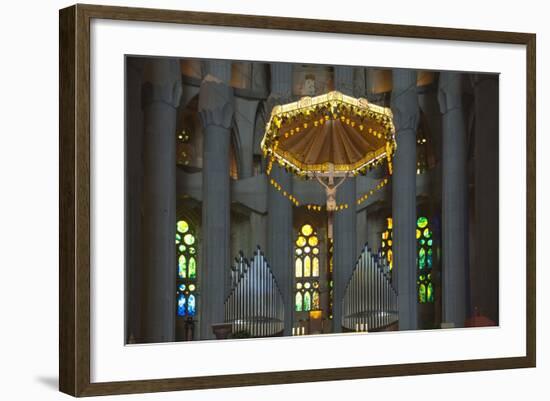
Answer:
(278, 200)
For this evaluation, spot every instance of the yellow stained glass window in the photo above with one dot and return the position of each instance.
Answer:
(307, 266)
(315, 267)
(307, 229)
(316, 304)
(182, 226)
(301, 241)
(298, 267)
(313, 241)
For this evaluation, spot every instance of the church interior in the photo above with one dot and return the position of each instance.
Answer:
(276, 199)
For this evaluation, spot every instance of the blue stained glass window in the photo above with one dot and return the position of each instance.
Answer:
(191, 308)
(181, 304)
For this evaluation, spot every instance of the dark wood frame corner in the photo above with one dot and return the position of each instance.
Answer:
(74, 199)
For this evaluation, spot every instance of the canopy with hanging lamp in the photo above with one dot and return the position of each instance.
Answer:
(326, 137)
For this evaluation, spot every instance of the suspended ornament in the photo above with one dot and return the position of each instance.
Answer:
(329, 138)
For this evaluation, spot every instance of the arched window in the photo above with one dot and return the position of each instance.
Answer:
(306, 269)
(424, 260)
(187, 269)
(387, 242)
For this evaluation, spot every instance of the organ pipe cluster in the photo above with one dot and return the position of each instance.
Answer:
(370, 301)
(255, 303)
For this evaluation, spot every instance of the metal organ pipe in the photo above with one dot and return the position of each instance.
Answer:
(255, 303)
(370, 301)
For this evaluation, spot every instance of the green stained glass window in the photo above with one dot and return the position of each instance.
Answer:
(189, 239)
(422, 222)
(192, 268)
(422, 293)
(421, 258)
(307, 301)
(424, 260)
(187, 270)
(430, 292)
(182, 266)
(298, 301)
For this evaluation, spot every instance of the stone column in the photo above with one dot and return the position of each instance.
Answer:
(484, 274)
(161, 94)
(216, 113)
(345, 221)
(404, 104)
(454, 200)
(133, 194)
(280, 235)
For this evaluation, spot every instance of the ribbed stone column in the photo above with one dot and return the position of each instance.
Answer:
(216, 113)
(279, 218)
(161, 94)
(404, 104)
(486, 226)
(454, 200)
(345, 221)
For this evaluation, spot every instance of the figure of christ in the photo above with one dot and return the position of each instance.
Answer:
(330, 188)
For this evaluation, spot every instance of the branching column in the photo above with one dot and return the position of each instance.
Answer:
(216, 113)
(454, 200)
(279, 220)
(161, 94)
(404, 104)
(345, 221)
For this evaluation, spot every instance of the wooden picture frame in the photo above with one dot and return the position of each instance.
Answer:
(74, 204)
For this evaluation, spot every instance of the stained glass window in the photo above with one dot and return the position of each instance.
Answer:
(307, 301)
(424, 260)
(299, 301)
(387, 242)
(315, 300)
(306, 269)
(187, 269)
